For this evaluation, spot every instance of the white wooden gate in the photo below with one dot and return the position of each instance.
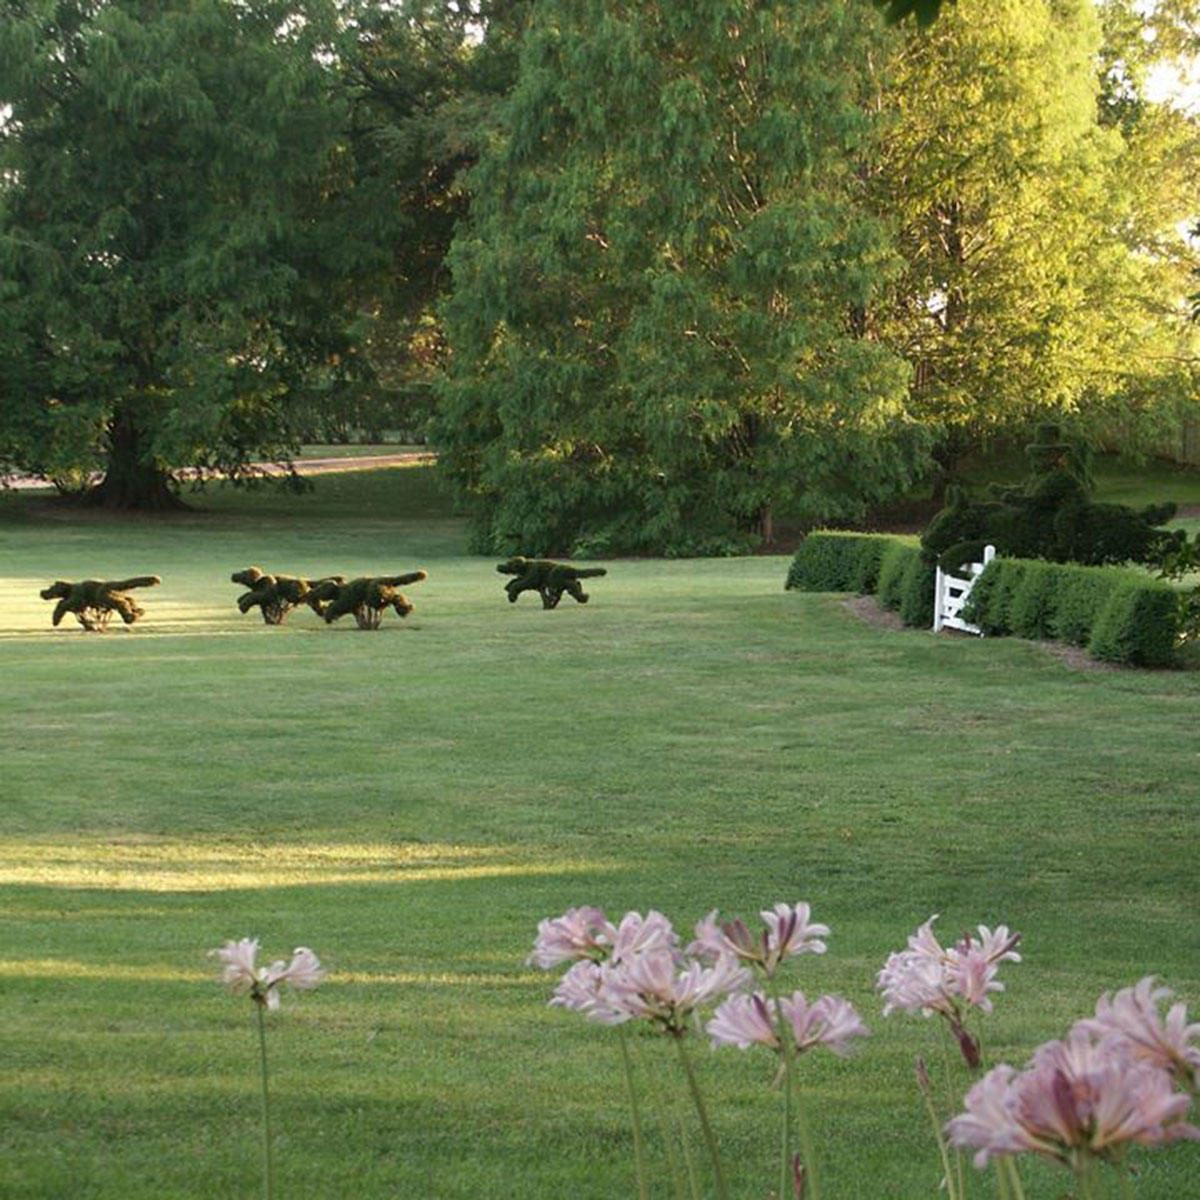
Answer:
(950, 595)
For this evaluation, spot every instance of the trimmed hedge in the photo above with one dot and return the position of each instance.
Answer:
(1120, 615)
(1034, 600)
(890, 585)
(1138, 626)
(864, 574)
(866, 562)
(916, 591)
(828, 561)
(1083, 595)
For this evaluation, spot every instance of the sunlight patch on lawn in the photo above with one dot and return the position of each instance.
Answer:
(188, 866)
(68, 968)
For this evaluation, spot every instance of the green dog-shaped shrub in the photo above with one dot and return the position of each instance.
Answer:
(548, 579)
(276, 595)
(367, 597)
(93, 601)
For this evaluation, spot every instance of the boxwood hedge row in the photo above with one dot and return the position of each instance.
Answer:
(1120, 615)
(866, 563)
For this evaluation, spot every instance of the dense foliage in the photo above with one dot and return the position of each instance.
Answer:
(717, 266)
(172, 246)
(1038, 207)
(1119, 615)
(891, 568)
(752, 290)
(1050, 515)
(654, 314)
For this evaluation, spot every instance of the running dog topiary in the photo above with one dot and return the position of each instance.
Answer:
(1049, 516)
(93, 601)
(276, 595)
(367, 597)
(549, 579)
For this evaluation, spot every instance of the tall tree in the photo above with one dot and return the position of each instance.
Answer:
(1035, 213)
(174, 250)
(424, 80)
(656, 320)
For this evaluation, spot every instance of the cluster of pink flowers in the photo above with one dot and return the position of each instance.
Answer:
(240, 974)
(1110, 1082)
(636, 970)
(743, 1021)
(930, 978)
(787, 932)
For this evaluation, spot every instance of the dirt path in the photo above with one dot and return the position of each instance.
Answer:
(304, 466)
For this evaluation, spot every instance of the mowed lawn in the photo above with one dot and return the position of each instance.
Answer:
(410, 802)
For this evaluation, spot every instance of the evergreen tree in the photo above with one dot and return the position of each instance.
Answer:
(657, 322)
(175, 241)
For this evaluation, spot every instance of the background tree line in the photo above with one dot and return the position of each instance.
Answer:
(676, 271)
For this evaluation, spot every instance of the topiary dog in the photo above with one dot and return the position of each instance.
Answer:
(367, 597)
(548, 579)
(93, 601)
(276, 595)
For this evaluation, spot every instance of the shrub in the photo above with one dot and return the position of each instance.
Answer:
(1031, 610)
(991, 601)
(916, 591)
(979, 606)
(1120, 615)
(892, 567)
(837, 562)
(864, 576)
(1138, 625)
(1083, 592)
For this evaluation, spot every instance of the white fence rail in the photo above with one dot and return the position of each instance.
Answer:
(951, 592)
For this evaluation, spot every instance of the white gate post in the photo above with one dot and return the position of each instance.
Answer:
(947, 607)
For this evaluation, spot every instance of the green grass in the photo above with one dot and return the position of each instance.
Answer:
(409, 803)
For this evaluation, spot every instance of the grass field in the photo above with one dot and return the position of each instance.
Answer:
(410, 803)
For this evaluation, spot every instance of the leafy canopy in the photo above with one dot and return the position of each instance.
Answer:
(174, 236)
(656, 319)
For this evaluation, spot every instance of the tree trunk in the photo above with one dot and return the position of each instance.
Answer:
(948, 455)
(130, 481)
(766, 525)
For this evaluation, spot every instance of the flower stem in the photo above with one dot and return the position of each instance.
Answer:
(266, 1101)
(702, 1113)
(785, 1053)
(952, 1190)
(1085, 1175)
(689, 1159)
(950, 1102)
(668, 1138)
(639, 1149)
(1009, 1167)
(1126, 1183)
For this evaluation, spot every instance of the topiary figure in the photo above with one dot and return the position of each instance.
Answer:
(548, 579)
(276, 595)
(93, 601)
(322, 592)
(1048, 516)
(368, 598)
